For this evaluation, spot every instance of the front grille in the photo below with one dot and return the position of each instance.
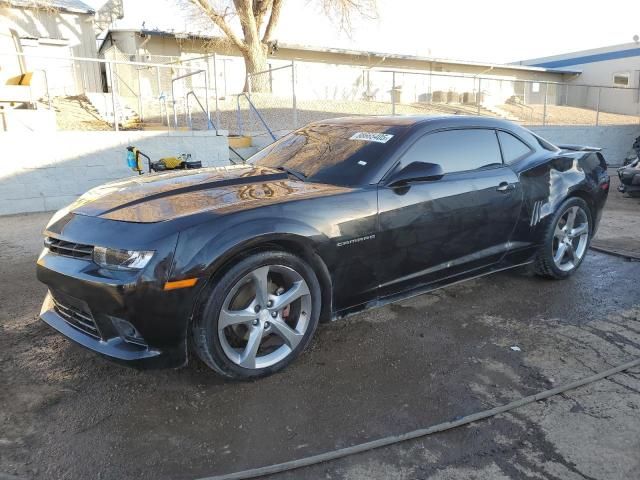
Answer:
(68, 249)
(82, 321)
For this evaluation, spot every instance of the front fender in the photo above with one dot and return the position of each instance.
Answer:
(202, 250)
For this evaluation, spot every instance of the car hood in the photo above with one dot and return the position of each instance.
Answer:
(165, 196)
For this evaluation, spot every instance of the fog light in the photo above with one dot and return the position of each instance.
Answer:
(128, 332)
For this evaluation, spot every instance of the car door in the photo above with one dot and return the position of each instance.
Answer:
(431, 230)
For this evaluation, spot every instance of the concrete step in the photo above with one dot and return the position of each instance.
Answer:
(109, 107)
(153, 126)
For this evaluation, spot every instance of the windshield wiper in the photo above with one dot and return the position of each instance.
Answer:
(299, 175)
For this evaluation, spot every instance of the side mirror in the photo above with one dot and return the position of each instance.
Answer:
(416, 171)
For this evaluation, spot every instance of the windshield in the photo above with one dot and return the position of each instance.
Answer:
(337, 154)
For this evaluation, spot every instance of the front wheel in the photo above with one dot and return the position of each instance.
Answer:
(258, 316)
(565, 241)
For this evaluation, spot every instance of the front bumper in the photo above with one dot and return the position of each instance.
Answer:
(116, 348)
(90, 305)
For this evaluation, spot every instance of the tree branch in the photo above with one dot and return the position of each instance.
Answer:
(219, 20)
(260, 9)
(276, 8)
(244, 9)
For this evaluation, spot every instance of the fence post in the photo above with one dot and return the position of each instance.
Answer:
(544, 111)
(393, 93)
(206, 94)
(139, 95)
(215, 89)
(598, 107)
(479, 96)
(113, 97)
(293, 93)
(173, 103)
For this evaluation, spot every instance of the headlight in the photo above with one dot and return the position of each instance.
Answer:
(121, 259)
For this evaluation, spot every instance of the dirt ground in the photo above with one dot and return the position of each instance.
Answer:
(76, 113)
(66, 413)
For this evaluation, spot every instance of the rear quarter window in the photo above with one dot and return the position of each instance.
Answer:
(513, 149)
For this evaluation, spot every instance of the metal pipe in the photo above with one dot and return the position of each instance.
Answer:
(206, 97)
(46, 85)
(173, 102)
(269, 70)
(293, 92)
(140, 97)
(210, 124)
(544, 111)
(598, 107)
(113, 98)
(215, 89)
(393, 93)
(173, 96)
(253, 108)
(238, 119)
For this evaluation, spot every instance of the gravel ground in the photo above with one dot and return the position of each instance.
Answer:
(67, 413)
(76, 113)
(563, 115)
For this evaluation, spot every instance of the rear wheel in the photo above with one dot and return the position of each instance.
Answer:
(566, 240)
(258, 316)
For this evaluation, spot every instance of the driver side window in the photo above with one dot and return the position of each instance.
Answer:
(456, 150)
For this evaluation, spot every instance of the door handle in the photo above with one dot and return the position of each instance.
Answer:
(505, 187)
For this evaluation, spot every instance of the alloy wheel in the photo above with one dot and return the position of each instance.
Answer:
(264, 316)
(570, 238)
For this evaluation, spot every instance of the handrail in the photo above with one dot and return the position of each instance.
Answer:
(46, 84)
(269, 70)
(244, 160)
(255, 110)
(162, 99)
(173, 95)
(210, 124)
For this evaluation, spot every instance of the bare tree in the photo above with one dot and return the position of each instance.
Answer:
(258, 21)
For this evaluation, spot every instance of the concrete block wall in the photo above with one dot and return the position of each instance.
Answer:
(615, 140)
(46, 171)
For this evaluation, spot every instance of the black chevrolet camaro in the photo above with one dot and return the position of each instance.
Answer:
(239, 264)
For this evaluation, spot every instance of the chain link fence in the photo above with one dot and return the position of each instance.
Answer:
(206, 92)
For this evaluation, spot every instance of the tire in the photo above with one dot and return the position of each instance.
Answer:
(550, 262)
(237, 313)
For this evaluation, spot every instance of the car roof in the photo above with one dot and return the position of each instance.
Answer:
(416, 120)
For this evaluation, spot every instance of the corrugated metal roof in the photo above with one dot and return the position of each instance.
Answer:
(66, 5)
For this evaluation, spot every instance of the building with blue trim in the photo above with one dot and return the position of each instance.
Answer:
(610, 77)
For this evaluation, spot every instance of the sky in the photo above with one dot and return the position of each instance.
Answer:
(497, 31)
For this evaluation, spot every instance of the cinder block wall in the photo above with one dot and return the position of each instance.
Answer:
(46, 171)
(615, 140)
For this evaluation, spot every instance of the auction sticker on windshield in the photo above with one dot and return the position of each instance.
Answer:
(371, 137)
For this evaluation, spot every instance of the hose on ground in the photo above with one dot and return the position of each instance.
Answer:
(441, 427)
(618, 253)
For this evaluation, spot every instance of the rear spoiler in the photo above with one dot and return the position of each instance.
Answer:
(579, 148)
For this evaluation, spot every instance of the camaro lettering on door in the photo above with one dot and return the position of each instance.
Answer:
(356, 240)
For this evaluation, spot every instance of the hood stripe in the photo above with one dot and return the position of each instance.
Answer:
(200, 186)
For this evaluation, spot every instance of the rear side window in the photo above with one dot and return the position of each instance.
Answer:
(512, 148)
(456, 150)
